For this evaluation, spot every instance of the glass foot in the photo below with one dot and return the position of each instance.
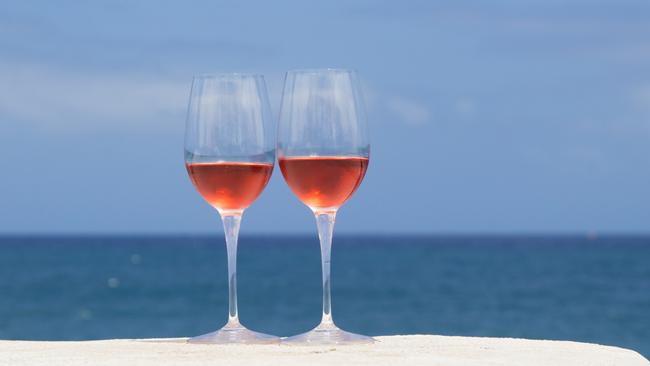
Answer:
(234, 334)
(326, 334)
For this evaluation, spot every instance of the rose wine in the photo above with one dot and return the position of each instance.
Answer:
(323, 181)
(229, 185)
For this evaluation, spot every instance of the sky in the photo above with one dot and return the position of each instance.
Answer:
(486, 117)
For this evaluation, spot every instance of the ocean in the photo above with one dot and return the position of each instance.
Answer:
(565, 288)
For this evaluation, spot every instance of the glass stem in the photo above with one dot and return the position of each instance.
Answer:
(325, 222)
(231, 223)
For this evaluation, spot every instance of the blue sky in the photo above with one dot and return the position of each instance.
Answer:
(486, 117)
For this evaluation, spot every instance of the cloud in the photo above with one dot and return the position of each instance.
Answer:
(640, 98)
(465, 108)
(407, 110)
(62, 98)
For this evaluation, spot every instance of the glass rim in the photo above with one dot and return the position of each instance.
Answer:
(322, 70)
(224, 75)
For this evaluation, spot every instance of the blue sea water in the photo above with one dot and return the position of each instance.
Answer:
(566, 288)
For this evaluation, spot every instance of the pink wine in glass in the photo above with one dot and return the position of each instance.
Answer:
(323, 181)
(229, 186)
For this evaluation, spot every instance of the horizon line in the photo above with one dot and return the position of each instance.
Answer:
(530, 234)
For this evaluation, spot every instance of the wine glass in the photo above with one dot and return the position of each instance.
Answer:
(229, 156)
(323, 152)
